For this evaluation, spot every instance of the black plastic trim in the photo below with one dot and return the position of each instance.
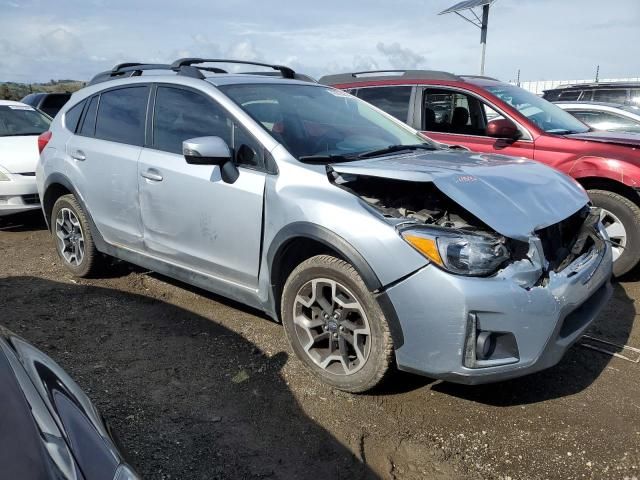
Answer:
(325, 236)
(60, 179)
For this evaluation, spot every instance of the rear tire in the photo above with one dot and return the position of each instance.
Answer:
(335, 325)
(72, 238)
(621, 219)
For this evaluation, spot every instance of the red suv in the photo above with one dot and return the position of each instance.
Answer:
(486, 115)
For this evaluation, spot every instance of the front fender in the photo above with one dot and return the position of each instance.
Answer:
(609, 168)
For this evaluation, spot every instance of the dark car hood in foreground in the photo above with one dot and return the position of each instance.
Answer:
(513, 196)
(49, 429)
(615, 138)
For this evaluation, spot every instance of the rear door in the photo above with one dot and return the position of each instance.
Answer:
(458, 117)
(104, 161)
(191, 217)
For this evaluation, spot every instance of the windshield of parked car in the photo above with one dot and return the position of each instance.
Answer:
(546, 115)
(317, 122)
(21, 120)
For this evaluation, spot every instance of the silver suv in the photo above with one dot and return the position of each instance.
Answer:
(372, 244)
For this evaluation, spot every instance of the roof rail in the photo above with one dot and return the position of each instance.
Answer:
(480, 77)
(389, 75)
(124, 70)
(618, 84)
(187, 62)
(189, 67)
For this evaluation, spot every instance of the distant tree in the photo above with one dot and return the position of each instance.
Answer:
(5, 94)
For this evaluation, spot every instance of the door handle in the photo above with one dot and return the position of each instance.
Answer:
(78, 155)
(152, 174)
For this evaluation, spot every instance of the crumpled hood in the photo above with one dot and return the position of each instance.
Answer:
(513, 196)
(614, 138)
(19, 154)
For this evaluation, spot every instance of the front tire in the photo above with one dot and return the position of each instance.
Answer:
(72, 237)
(335, 325)
(621, 219)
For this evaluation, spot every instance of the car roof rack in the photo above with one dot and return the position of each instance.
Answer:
(568, 86)
(190, 67)
(188, 62)
(389, 75)
(480, 77)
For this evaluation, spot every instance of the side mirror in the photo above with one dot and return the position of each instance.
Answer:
(211, 151)
(503, 128)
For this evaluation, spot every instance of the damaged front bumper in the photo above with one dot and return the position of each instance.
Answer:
(479, 330)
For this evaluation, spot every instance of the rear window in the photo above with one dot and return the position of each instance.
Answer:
(55, 101)
(121, 115)
(21, 120)
(72, 117)
(88, 127)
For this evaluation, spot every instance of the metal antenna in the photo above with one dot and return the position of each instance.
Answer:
(481, 23)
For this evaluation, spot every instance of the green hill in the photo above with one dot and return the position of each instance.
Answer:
(16, 91)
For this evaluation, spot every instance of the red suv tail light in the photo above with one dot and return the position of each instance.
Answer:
(43, 139)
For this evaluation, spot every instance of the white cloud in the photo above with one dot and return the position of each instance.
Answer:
(80, 37)
(399, 57)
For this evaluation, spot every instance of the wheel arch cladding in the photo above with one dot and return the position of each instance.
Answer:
(58, 185)
(299, 241)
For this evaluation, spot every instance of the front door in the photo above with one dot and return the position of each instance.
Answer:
(191, 218)
(458, 118)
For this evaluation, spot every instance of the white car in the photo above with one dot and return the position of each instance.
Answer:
(609, 117)
(20, 125)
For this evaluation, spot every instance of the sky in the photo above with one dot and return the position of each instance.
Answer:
(544, 39)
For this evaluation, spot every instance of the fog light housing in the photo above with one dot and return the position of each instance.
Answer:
(486, 348)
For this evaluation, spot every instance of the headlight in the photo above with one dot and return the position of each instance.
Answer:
(3, 177)
(459, 252)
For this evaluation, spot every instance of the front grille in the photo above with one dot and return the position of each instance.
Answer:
(31, 199)
(558, 239)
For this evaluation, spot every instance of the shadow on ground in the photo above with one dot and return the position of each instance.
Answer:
(23, 222)
(578, 369)
(187, 397)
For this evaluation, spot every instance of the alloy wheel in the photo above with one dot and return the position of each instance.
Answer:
(616, 231)
(332, 326)
(69, 236)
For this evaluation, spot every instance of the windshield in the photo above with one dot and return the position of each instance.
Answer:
(546, 115)
(21, 120)
(314, 121)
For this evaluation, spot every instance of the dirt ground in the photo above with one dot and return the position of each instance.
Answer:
(198, 387)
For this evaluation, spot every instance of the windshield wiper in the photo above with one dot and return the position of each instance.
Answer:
(326, 158)
(396, 148)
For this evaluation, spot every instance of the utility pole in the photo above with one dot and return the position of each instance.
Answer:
(483, 35)
(481, 23)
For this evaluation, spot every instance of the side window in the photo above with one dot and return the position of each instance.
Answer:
(88, 124)
(72, 117)
(607, 121)
(569, 95)
(611, 95)
(393, 100)
(181, 114)
(635, 96)
(455, 112)
(121, 115)
(587, 96)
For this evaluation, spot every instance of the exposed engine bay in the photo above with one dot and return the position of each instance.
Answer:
(424, 203)
(421, 202)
